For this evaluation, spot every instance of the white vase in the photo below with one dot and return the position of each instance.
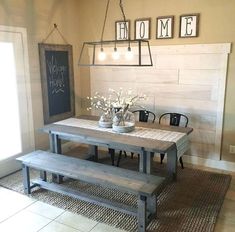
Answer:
(106, 121)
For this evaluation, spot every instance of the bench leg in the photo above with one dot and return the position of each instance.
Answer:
(26, 179)
(141, 215)
(152, 205)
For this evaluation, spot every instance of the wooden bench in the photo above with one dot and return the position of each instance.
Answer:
(142, 185)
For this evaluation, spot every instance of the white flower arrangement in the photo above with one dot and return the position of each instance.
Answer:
(101, 103)
(126, 99)
(116, 105)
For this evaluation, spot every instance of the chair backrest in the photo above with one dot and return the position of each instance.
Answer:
(175, 119)
(144, 115)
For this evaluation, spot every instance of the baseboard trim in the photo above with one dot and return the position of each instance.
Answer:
(218, 164)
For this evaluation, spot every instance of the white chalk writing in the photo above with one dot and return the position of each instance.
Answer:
(56, 75)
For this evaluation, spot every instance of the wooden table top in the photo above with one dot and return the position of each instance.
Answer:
(115, 140)
(155, 125)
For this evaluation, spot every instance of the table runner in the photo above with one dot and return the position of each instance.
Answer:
(180, 139)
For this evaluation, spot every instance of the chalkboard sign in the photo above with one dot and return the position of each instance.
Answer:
(57, 81)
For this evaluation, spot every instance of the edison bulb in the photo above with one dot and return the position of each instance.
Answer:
(129, 54)
(102, 55)
(115, 54)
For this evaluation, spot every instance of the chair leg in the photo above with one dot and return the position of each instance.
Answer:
(132, 155)
(138, 158)
(119, 158)
(125, 154)
(181, 162)
(162, 157)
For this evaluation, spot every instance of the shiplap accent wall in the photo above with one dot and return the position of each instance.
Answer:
(188, 79)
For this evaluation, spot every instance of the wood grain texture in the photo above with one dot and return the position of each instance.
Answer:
(92, 172)
(188, 79)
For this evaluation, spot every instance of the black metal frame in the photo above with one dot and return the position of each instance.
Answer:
(115, 42)
(174, 121)
(144, 114)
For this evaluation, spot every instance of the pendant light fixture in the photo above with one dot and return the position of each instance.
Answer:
(116, 52)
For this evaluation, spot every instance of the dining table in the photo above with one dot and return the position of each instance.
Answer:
(145, 139)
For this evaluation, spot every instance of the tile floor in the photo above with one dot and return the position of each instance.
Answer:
(22, 213)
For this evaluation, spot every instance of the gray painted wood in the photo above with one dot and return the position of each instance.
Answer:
(172, 163)
(187, 130)
(86, 197)
(141, 215)
(55, 146)
(140, 184)
(26, 179)
(115, 140)
(118, 141)
(108, 176)
(93, 152)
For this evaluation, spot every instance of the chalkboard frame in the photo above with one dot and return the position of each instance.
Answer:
(43, 48)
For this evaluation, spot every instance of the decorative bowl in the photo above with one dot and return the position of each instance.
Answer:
(124, 129)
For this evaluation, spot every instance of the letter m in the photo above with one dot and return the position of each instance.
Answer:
(164, 28)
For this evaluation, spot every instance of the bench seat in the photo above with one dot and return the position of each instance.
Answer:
(142, 185)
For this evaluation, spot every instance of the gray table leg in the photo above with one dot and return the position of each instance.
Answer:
(55, 147)
(143, 161)
(172, 163)
(149, 162)
(141, 215)
(93, 152)
(52, 142)
(43, 175)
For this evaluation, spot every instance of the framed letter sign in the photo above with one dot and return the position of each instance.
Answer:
(122, 30)
(142, 28)
(165, 26)
(189, 25)
(56, 66)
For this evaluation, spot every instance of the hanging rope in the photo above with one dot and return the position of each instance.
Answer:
(122, 10)
(105, 18)
(124, 18)
(50, 33)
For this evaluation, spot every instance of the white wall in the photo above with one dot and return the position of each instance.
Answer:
(188, 79)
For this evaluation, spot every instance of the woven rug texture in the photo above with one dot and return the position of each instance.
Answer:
(192, 203)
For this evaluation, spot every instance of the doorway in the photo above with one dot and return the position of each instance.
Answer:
(17, 134)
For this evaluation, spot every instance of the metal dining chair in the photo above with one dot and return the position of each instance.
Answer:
(143, 117)
(174, 119)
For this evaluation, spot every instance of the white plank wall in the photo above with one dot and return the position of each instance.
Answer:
(188, 79)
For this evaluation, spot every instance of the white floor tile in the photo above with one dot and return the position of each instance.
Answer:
(58, 227)
(24, 221)
(12, 202)
(76, 221)
(45, 210)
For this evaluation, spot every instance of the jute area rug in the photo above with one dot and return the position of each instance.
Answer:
(190, 204)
